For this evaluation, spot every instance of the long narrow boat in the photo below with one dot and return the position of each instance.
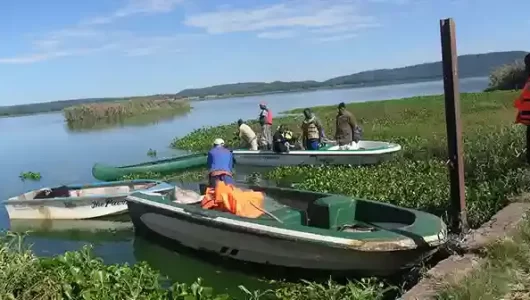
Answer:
(162, 166)
(301, 230)
(79, 201)
(368, 153)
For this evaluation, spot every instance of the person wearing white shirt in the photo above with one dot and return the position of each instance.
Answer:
(247, 136)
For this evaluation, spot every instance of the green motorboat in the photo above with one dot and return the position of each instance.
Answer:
(162, 166)
(300, 230)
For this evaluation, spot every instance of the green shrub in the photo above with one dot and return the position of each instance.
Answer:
(508, 77)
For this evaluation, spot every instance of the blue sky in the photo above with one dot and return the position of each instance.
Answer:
(64, 49)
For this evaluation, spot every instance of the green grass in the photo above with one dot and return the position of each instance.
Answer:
(117, 111)
(417, 177)
(503, 274)
(81, 275)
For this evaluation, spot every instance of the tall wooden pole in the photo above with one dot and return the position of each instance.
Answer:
(454, 127)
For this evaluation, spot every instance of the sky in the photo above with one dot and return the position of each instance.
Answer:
(66, 49)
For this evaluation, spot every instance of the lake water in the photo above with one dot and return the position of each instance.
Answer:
(43, 143)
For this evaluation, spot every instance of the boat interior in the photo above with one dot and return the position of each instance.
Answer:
(333, 212)
(65, 191)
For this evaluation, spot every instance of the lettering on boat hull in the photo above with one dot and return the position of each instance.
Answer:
(108, 202)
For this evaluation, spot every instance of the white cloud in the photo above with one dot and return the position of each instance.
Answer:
(86, 38)
(321, 17)
(336, 38)
(122, 42)
(281, 34)
(134, 7)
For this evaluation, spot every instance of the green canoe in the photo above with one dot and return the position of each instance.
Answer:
(163, 166)
(301, 230)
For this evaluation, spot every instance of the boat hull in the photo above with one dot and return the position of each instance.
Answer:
(257, 247)
(89, 206)
(163, 166)
(318, 157)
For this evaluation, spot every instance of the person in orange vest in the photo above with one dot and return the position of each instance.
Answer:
(522, 103)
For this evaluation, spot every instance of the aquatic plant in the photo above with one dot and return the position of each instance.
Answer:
(417, 177)
(508, 77)
(81, 275)
(30, 176)
(151, 152)
(120, 109)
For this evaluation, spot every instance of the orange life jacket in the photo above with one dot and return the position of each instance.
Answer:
(226, 197)
(522, 103)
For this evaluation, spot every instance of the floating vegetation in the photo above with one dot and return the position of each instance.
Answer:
(118, 110)
(81, 275)
(151, 152)
(35, 176)
(417, 177)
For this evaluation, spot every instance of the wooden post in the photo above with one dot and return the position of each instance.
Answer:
(454, 128)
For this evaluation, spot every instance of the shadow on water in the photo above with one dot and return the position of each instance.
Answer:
(141, 120)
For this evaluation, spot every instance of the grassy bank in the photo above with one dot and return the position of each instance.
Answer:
(119, 110)
(417, 177)
(504, 273)
(81, 275)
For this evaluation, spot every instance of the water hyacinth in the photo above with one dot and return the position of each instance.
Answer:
(417, 177)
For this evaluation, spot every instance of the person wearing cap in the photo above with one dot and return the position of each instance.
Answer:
(220, 163)
(265, 120)
(347, 133)
(247, 136)
(312, 131)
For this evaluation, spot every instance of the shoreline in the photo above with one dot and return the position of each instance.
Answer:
(191, 101)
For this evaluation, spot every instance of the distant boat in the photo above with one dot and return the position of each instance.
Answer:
(79, 201)
(301, 230)
(368, 153)
(162, 166)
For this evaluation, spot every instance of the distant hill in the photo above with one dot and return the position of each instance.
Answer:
(471, 65)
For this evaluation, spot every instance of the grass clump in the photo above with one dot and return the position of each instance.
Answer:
(116, 111)
(35, 176)
(508, 77)
(151, 152)
(503, 274)
(81, 275)
(417, 177)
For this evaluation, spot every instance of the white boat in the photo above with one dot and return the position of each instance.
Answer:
(366, 153)
(76, 202)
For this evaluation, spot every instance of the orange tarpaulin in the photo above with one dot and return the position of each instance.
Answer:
(248, 204)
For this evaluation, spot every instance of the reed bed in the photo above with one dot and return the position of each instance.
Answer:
(119, 110)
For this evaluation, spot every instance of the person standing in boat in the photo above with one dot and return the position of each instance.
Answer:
(265, 120)
(347, 133)
(220, 163)
(522, 103)
(312, 130)
(247, 136)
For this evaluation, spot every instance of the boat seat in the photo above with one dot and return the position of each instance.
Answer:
(287, 215)
(97, 191)
(332, 212)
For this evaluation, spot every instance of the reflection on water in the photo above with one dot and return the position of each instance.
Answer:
(113, 122)
(183, 268)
